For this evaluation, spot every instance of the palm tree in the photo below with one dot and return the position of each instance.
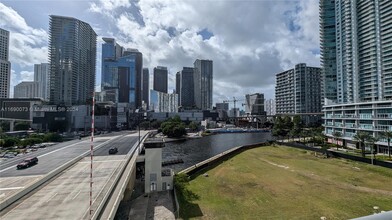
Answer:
(371, 140)
(336, 135)
(388, 135)
(361, 138)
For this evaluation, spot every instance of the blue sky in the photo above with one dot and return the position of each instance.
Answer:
(248, 41)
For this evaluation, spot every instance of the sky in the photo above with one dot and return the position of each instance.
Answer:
(249, 41)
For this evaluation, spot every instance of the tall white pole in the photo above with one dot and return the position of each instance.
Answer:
(92, 154)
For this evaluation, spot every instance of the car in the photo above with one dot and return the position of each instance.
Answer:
(28, 162)
(113, 150)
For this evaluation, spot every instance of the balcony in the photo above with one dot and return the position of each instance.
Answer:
(368, 127)
(384, 127)
(347, 134)
(386, 116)
(351, 116)
(350, 125)
(365, 116)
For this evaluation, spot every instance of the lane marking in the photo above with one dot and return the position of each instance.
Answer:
(76, 195)
(11, 188)
(104, 161)
(51, 197)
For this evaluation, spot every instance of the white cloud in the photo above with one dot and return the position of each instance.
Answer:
(28, 45)
(251, 40)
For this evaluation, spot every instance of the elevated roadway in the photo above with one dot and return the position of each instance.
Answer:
(67, 195)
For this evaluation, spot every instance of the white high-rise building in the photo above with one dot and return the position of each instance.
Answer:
(5, 65)
(356, 57)
(163, 102)
(27, 90)
(270, 106)
(41, 75)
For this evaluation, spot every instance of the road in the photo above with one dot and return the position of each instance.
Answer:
(54, 156)
(13, 181)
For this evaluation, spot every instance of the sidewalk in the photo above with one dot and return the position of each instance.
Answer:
(156, 206)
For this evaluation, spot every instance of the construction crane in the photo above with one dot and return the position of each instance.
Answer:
(234, 101)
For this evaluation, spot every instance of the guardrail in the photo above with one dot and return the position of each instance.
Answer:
(49, 176)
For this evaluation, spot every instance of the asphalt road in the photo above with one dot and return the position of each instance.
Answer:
(54, 156)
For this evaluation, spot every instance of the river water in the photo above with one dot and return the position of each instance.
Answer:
(193, 151)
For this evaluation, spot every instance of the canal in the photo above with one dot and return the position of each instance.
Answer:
(193, 151)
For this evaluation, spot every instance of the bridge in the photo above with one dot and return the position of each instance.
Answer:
(58, 186)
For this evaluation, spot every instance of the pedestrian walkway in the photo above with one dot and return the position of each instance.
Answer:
(156, 206)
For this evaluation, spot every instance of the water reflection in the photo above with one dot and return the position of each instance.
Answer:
(196, 150)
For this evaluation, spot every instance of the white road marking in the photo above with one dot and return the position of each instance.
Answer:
(51, 197)
(103, 161)
(11, 188)
(76, 195)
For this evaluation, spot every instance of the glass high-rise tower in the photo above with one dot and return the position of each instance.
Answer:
(118, 74)
(160, 79)
(72, 55)
(356, 51)
(203, 77)
(356, 58)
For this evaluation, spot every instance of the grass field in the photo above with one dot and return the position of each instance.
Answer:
(287, 183)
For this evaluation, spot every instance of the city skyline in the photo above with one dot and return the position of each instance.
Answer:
(256, 47)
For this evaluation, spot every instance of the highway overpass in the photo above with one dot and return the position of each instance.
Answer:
(58, 186)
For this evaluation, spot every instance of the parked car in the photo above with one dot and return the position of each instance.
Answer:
(113, 150)
(28, 162)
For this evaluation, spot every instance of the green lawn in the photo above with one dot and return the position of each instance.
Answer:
(287, 183)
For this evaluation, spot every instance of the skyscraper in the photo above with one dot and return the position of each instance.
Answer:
(357, 33)
(254, 104)
(359, 91)
(187, 100)
(270, 106)
(298, 90)
(138, 72)
(27, 89)
(118, 74)
(72, 55)
(203, 79)
(178, 86)
(146, 86)
(41, 75)
(160, 79)
(5, 65)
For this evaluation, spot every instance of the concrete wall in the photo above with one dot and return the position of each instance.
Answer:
(153, 167)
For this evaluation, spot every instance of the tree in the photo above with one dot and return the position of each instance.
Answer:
(336, 135)
(278, 129)
(388, 135)
(52, 137)
(144, 125)
(4, 126)
(297, 126)
(21, 126)
(155, 124)
(287, 123)
(361, 138)
(10, 142)
(173, 127)
(193, 126)
(371, 140)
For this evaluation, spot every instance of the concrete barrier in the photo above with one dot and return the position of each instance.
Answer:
(220, 157)
(41, 181)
